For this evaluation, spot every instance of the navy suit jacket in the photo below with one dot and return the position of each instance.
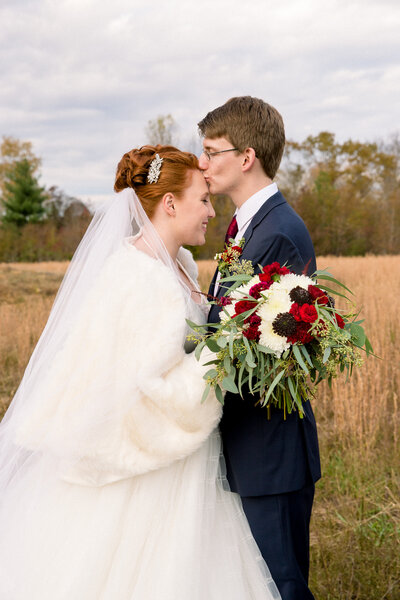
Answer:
(270, 456)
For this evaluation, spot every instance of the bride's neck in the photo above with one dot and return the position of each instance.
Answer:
(165, 232)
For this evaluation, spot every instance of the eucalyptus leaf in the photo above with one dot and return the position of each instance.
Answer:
(228, 383)
(219, 395)
(231, 338)
(195, 326)
(212, 345)
(357, 335)
(240, 376)
(205, 393)
(222, 341)
(227, 365)
(273, 385)
(327, 353)
(250, 360)
(333, 280)
(199, 348)
(239, 277)
(291, 387)
(306, 355)
(299, 358)
(368, 347)
(211, 373)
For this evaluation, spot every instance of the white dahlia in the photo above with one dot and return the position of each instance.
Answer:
(290, 281)
(272, 340)
(277, 301)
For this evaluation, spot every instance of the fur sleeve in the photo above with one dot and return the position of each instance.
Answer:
(122, 397)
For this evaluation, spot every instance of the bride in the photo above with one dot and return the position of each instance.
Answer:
(111, 485)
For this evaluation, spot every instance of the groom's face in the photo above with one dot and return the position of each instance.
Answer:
(222, 170)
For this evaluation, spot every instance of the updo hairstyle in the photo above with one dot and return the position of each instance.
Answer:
(133, 169)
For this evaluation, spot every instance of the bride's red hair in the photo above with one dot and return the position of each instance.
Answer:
(133, 168)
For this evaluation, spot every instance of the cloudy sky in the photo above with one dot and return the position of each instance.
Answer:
(82, 78)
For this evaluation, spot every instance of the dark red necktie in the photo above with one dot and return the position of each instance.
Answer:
(232, 230)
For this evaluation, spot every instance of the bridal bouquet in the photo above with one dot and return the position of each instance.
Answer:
(279, 336)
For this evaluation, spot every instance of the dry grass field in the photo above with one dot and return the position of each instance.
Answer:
(355, 537)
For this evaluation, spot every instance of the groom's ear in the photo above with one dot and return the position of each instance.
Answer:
(249, 157)
(168, 202)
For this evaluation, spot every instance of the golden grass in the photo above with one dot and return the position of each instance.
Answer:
(355, 533)
(361, 409)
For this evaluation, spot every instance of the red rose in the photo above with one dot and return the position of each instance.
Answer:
(295, 311)
(308, 313)
(238, 249)
(339, 321)
(318, 295)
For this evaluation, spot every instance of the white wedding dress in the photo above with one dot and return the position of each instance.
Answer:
(169, 534)
(116, 514)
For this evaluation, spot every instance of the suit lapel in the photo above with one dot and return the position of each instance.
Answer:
(272, 202)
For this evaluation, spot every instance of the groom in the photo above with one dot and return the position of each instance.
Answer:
(272, 463)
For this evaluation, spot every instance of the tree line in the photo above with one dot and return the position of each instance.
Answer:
(36, 223)
(348, 194)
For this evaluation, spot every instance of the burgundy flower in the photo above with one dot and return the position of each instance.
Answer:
(273, 269)
(243, 306)
(259, 287)
(284, 324)
(308, 313)
(318, 295)
(339, 321)
(252, 332)
(224, 301)
(302, 335)
(295, 311)
(300, 295)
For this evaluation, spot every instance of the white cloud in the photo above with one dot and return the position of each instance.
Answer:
(81, 78)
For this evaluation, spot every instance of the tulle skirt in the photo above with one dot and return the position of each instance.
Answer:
(171, 534)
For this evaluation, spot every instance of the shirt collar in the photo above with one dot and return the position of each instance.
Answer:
(246, 212)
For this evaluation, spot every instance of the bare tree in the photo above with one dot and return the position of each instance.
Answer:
(161, 130)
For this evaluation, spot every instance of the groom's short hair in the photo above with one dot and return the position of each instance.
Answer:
(249, 122)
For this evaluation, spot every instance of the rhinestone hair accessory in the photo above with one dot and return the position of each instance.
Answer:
(154, 169)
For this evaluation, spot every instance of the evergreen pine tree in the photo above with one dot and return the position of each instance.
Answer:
(23, 197)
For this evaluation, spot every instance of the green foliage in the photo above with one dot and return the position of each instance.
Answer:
(23, 198)
(43, 241)
(356, 523)
(13, 150)
(348, 194)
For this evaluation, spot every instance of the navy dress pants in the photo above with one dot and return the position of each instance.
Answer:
(280, 526)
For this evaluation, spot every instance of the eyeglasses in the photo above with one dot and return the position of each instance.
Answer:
(208, 155)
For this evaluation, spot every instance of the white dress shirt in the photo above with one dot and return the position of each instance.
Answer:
(246, 212)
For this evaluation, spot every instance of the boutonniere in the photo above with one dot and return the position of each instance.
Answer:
(229, 261)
